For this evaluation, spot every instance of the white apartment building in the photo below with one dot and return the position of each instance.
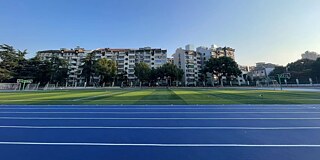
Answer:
(190, 47)
(224, 52)
(190, 62)
(127, 58)
(206, 53)
(262, 70)
(310, 55)
(215, 52)
(153, 57)
(74, 59)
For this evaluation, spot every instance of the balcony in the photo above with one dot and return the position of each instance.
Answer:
(72, 76)
(73, 67)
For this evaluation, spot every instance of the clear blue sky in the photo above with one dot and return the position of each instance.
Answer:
(275, 31)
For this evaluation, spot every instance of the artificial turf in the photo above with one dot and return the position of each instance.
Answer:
(152, 96)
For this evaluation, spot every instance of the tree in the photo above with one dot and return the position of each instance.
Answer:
(11, 61)
(88, 67)
(43, 71)
(58, 70)
(203, 77)
(107, 69)
(122, 78)
(4, 74)
(169, 72)
(142, 71)
(316, 69)
(153, 76)
(300, 69)
(277, 71)
(223, 67)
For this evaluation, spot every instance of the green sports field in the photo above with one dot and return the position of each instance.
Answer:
(160, 96)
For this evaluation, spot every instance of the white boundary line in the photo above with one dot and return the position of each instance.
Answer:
(162, 144)
(124, 112)
(155, 118)
(163, 128)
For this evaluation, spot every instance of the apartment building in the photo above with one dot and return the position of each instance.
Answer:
(262, 70)
(190, 62)
(127, 58)
(74, 59)
(206, 53)
(215, 52)
(153, 57)
(224, 52)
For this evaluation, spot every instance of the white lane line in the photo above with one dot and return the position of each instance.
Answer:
(162, 128)
(124, 112)
(159, 108)
(161, 144)
(154, 118)
(155, 100)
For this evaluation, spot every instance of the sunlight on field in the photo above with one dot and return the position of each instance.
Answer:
(160, 96)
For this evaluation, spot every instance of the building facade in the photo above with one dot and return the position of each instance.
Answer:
(190, 62)
(74, 59)
(225, 52)
(262, 70)
(215, 52)
(125, 59)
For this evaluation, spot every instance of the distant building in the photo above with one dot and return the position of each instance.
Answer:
(262, 70)
(215, 52)
(125, 58)
(225, 52)
(170, 60)
(310, 55)
(72, 56)
(245, 71)
(190, 47)
(205, 54)
(190, 62)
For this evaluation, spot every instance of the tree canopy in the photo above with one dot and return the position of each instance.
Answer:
(142, 71)
(88, 68)
(222, 67)
(107, 69)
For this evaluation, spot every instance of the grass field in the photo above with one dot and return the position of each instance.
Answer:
(160, 96)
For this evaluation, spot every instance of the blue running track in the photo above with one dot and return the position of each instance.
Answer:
(177, 132)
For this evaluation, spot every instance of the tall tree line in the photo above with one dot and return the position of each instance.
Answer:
(167, 72)
(302, 70)
(14, 65)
